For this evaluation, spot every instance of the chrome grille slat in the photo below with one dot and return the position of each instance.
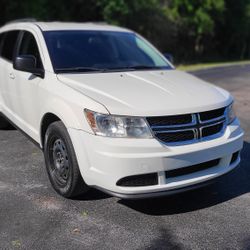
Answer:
(173, 130)
(180, 134)
(212, 120)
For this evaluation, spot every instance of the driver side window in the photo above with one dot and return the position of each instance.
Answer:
(29, 47)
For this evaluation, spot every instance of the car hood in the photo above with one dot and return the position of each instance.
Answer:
(148, 93)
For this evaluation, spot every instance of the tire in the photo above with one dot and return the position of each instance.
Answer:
(61, 162)
(4, 123)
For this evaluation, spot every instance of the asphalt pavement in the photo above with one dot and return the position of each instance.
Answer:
(33, 216)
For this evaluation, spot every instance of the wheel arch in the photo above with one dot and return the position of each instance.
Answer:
(47, 119)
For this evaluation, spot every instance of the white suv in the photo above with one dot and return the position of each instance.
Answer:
(109, 111)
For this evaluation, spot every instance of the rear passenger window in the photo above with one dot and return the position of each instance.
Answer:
(9, 43)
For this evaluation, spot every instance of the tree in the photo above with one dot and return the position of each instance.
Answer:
(196, 20)
(192, 30)
(143, 16)
(234, 32)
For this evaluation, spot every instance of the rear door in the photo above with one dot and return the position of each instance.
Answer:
(2, 65)
(8, 45)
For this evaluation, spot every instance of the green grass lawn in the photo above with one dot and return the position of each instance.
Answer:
(199, 66)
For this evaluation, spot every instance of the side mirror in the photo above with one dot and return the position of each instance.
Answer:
(27, 63)
(169, 57)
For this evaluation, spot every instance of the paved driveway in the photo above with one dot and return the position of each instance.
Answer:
(33, 216)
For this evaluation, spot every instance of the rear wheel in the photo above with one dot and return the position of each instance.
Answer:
(61, 162)
(4, 123)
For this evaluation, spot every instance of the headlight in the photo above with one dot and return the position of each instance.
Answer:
(117, 126)
(230, 114)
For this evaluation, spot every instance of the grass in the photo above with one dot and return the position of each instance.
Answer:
(16, 243)
(199, 66)
(84, 213)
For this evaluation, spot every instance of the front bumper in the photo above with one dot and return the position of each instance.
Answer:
(103, 161)
(137, 196)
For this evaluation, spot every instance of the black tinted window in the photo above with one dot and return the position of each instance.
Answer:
(100, 50)
(29, 47)
(9, 44)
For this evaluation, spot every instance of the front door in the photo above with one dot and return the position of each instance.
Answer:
(25, 95)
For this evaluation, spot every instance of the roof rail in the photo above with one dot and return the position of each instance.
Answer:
(22, 20)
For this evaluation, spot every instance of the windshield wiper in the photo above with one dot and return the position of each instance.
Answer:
(135, 67)
(92, 69)
(143, 67)
(79, 69)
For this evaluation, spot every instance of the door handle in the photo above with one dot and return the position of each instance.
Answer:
(11, 76)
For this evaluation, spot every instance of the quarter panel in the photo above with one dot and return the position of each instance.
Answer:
(66, 103)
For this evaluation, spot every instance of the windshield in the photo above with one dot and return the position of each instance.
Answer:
(85, 51)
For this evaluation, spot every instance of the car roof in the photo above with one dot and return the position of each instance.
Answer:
(57, 26)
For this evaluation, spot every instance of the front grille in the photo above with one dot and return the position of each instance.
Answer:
(176, 136)
(169, 120)
(212, 114)
(212, 130)
(191, 169)
(139, 180)
(189, 128)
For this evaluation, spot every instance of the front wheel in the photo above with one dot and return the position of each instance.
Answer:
(61, 162)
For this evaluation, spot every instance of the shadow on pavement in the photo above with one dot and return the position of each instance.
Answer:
(165, 240)
(228, 187)
(92, 194)
(9, 128)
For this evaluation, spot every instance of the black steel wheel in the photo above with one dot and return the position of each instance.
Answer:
(61, 162)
